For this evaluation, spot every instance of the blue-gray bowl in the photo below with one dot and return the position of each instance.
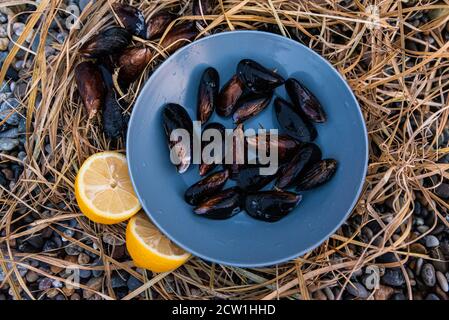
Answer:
(242, 240)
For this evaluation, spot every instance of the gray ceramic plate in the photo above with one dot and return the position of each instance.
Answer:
(241, 240)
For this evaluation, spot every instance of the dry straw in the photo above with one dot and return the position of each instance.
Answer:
(399, 78)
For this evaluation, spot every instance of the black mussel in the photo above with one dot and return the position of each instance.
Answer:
(110, 41)
(90, 86)
(132, 61)
(291, 120)
(206, 187)
(289, 173)
(231, 92)
(250, 107)
(250, 178)
(303, 99)
(286, 145)
(257, 78)
(271, 206)
(179, 36)
(158, 23)
(222, 205)
(238, 156)
(203, 8)
(176, 117)
(131, 18)
(205, 168)
(114, 124)
(207, 94)
(317, 174)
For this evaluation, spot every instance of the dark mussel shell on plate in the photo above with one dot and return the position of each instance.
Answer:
(317, 174)
(291, 120)
(90, 86)
(131, 18)
(229, 95)
(222, 205)
(303, 99)
(205, 168)
(207, 94)
(289, 173)
(158, 23)
(206, 187)
(271, 206)
(179, 36)
(286, 145)
(176, 117)
(110, 41)
(236, 157)
(257, 78)
(249, 177)
(250, 107)
(132, 61)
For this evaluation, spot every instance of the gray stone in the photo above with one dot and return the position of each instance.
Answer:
(357, 290)
(432, 241)
(423, 229)
(432, 296)
(428, 275)
(18, 28)
(7, 144)
(3, 18)
(133, 283)
(11, 133)
(117, 281)
(442, 281)
(393, 277)
(7, 109)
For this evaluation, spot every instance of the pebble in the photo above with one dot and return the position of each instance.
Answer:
(419, 264)
(11, 133)
(133, 283)
(7, 109)
(317, 295)
(399, 296)
(72, 250)
(432, 241)
(3, 18)
(423, 229)
(357, 290)
(8, 173)
(117, 281)
(8, 144)
(113, 240)
(94, 284)
(75, 296)
(45, 284)
(442, 281)
(442, 191)
(83, 258)
(383, 293)
(432, 296)
(4, 42)
(393, 277)
(428, 274)
(18, 28)
(52, 293)
(329, 294)
(85, 274)
(32, 276)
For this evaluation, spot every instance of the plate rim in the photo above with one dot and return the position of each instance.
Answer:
(303, 251)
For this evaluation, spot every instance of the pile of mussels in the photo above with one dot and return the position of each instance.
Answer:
(245, 95)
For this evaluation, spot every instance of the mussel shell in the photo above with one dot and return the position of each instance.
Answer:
(132, 18)
(203, 8)
(271, 206)
(179, 36)
(207, 94)
(250, 107)
(107, 42)
(176, 117)
(289, 173)
(206, 187)
(286, 146)
(231, 92)
(317, 174)
(205, 168)
(132, 61)
(248, 177)
(305, 100)
(158, 23)
(291, 120)
(238, 160)
(222, 205)
(257, 78)
(90, 86)
(114, 125)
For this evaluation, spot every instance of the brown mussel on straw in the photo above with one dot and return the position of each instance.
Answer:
(158, 23)
(289, 173)
(131, 63)
(257, 78)
(206, 187)
(110, 41)
(303, 99)
(179, 36)
(293, 122)
(90, 86)
(205, 168)
(207, 94)
(222, 205)
(132, 18)
(317, 174)
(250, 107)
(271, 206)
(231, 92)
(176, 117)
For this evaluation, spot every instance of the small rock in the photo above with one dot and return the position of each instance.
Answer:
(113, 240)
(56, 284)
(18, 28)
(423, 229)
(432, 241)
(11, 133)
(117, 281)
(45, 284)
(442, 281)
(4, 42)
(52, 293)
(428, 275)
(95, 285)
(419, 264)
(56, 269)
(75, 296)
(8, 174)
(49, 245)
(133, 283)
(398, 296)
(83, 258)
(442, 191)
(418, 248)
(8, 111)
(393, 277)
(8, 144)
(329, 294)
(357, 290)
(3, 18)
(68, 291)
(432, 296)
(383, 293)
(72, 250)
(32, 276)
(85, 274)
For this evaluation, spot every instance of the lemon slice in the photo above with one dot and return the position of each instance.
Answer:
(103, 189)
(150, 249)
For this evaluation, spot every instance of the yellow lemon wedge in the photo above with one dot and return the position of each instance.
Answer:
(103, 189)
(150, 249)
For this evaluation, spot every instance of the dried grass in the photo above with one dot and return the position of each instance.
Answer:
(402, 92)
